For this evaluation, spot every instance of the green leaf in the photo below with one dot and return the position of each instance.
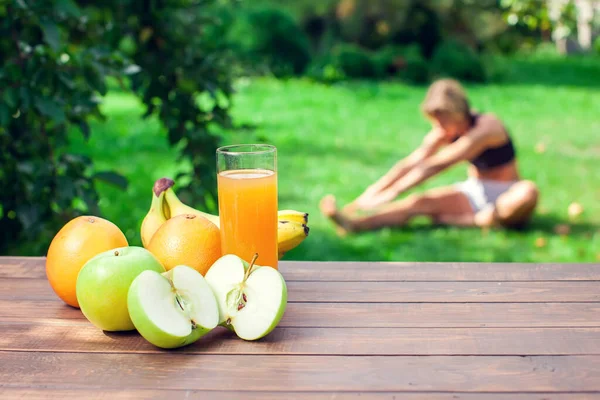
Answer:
(21, 4)
(10, 97)
(85, 129)
(112, 178)
(132, 69)
(67, 7)
(51, 33)
(50, 109)
(66, 80)
(25, 98)
(4, 115)
(95, 80)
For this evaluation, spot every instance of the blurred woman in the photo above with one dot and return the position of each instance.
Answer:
(493, 194)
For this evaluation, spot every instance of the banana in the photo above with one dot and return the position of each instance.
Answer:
(176, 207)
(154, 219)
(292, 229)
(289, 235)
(292, 215)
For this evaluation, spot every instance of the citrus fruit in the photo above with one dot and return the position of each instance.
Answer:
(187, 240)
(78, 241)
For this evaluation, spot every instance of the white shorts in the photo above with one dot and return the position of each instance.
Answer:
(483, 193)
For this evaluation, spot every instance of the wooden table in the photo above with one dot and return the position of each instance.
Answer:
(368, 330)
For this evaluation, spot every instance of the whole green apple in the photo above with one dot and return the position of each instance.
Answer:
(103, 283)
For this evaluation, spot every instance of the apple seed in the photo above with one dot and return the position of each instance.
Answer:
(178, 300)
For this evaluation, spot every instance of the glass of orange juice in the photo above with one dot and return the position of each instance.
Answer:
(247, 189)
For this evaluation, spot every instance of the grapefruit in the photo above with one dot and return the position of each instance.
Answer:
(77, 242)
(189, 240)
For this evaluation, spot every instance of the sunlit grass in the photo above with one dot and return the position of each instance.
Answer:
(338, 139)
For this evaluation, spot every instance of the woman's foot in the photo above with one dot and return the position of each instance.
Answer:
(329, 209)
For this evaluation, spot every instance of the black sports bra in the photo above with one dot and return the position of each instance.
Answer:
(495, 156)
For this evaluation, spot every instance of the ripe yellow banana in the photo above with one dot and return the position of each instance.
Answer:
(176, 207)
(292, 215)
(289, 235)
(292, 229)
(154, 219)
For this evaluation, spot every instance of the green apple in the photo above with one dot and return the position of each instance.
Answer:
(251, 299)
(172, 309)
(103, 283)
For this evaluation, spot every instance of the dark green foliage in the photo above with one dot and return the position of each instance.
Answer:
(324, 69)
(455, 59)
(184, 78)
(423, 26)
(52, 69)
(354, 61)
(55, 56)
(270, 37)
(407, 63)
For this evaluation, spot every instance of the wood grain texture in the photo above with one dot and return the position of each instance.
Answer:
(128, 394)
(372, 315)
(23, 267)
(306, 373)
(316, 341)
(434, 331)
(382, 292)
(428, 272)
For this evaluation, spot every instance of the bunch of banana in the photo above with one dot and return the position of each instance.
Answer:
(292, 228)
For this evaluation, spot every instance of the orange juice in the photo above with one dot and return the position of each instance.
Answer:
(248, 212)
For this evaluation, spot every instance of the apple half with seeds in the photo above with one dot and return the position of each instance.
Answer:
(251, 299)
(172, 309)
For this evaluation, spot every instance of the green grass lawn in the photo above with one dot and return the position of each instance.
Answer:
(338, 139)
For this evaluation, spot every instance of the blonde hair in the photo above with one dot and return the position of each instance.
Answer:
(446, 96)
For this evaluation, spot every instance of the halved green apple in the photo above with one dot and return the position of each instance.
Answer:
(251, 299)
(172, 309)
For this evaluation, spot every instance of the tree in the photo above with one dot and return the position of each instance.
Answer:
(55, 56)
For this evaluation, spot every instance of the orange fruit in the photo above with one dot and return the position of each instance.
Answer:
(187, 240)
(79, 240)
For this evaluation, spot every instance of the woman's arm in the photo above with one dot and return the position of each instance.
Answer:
(467, 147)
(431, 143)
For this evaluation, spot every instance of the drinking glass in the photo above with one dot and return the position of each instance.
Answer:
(247, 190)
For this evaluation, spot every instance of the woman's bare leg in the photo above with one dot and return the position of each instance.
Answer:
(444, 205)
(516, 205)
(513, 207)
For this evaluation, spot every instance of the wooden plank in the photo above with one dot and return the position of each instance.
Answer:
(389, 292)
(23, 267)
(292, 373)
(42, 394)
(314, 341)
(382, 292)
(31, 289)
(427, 272)
(468, 292)
(372, 315)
